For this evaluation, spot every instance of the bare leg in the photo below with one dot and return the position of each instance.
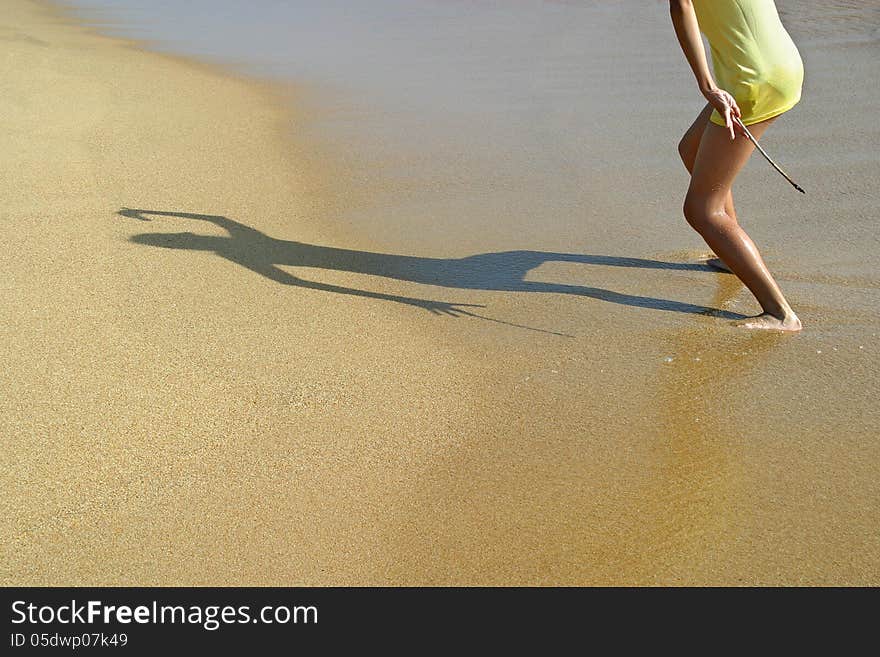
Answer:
(717, 163)
(687, 149)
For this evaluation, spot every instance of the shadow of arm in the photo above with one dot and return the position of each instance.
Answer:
(234, 228)
(280, 276)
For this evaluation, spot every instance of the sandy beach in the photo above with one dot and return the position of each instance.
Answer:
(220, 367)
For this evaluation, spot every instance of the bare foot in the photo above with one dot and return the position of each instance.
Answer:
(770, 322)
(718, 263)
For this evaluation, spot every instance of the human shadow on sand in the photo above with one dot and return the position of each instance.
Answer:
(502, 271)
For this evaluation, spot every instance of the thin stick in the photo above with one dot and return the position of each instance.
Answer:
(764, 153)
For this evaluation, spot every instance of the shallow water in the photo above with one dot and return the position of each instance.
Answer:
(521, 155)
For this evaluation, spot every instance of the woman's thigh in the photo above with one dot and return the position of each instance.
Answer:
(719, 159)
(690, 142)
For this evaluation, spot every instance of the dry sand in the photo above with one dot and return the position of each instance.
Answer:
(172, 417)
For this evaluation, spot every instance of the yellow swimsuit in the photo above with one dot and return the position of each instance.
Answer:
(753, 56)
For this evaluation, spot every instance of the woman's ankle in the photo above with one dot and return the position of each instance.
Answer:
(780, 311)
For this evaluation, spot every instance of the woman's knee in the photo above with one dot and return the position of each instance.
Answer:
(701, 211)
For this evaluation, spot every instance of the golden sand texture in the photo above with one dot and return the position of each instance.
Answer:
(176, 409)
(168, 416)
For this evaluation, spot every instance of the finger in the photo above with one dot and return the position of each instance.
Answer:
(729, 122)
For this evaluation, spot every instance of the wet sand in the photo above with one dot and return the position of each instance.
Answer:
(252, 388)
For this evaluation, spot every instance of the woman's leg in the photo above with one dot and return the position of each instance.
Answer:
(687, 149)
(716, 165)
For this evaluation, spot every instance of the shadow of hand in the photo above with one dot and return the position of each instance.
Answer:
(442, 307)
(132, 214)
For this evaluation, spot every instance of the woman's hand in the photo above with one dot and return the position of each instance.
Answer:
(726, 106)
